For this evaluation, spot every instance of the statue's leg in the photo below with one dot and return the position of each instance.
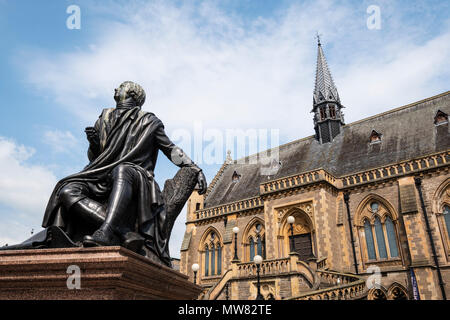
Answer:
(75, 200)
(117, 214)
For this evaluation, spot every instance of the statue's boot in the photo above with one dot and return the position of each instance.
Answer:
(117, 215)
(105, 236)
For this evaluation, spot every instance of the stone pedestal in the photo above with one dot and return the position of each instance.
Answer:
(105, 273)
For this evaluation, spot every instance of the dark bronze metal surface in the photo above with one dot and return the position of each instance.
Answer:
(115, 200)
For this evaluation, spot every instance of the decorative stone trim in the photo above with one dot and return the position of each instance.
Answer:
(292, 184)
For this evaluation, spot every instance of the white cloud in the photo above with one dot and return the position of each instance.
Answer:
(60, 141)
(24, 191)
(201, 62)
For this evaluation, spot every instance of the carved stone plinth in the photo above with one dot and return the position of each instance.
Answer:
(105, 273)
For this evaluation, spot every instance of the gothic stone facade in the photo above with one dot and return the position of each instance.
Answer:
(363, 181)
(383, 201)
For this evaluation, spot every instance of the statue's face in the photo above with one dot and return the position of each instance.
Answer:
(122, 93)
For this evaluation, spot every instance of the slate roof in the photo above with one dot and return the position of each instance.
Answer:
(407, 132)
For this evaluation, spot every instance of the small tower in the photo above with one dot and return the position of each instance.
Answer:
(194, 203)
(328, 117)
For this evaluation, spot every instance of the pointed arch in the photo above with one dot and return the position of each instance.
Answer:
(294, 212)
(303, 230)
(255, 228)
(377, 294)
(377, 223)
(441, 197)
(440, 118)
(397, 291)
(207, 232)
(375, 137)
(210, 251)
(441, 210)
(249, 228)
(363, 211)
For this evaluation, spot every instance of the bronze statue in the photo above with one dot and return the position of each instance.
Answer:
(115, 200)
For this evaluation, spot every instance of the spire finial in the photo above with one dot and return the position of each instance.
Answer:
(318, 37)
(229, 159)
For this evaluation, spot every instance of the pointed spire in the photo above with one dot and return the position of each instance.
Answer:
(324, 89)
(328, 117)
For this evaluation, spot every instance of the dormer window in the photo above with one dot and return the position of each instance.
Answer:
(375, 137)
(440, 118)
(323, 113)
(235, 177)
(332, 111)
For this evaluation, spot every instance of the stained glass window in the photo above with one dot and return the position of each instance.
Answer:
(369, 240)
(213, 261)
(219, 259)
(391, 237)
(380, 239)
(252, 249)
(447, 218)
(374, 206)
(259, 244)
(264, 248)
(206, 261)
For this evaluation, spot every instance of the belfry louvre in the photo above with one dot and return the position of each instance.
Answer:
(368, 198)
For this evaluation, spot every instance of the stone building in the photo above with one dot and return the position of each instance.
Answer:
(370, 202)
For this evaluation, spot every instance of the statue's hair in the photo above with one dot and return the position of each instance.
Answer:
(136, 91)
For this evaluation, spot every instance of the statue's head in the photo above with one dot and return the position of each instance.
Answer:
(129, 91)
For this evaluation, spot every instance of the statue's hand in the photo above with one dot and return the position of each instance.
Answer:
(92, 136)
(201, 179)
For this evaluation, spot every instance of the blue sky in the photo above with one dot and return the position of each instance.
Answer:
(229, 64)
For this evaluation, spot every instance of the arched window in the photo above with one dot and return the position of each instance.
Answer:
(206, 261)
(380, 233)
(254, 243)
(213, 246)
(441, 208)
(369, 240)
(380, 239)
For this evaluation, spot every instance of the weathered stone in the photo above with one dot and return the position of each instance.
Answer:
(105, 273)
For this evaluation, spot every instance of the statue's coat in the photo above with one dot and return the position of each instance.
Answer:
(129, 136)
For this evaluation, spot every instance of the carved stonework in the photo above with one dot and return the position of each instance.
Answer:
(446, 198)
(306, 207)
(374, 207)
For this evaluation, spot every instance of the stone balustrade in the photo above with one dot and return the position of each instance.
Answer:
(241, 205)
(343, 287)
(267, 267)
(397, 169)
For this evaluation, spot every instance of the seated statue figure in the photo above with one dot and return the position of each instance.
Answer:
(115, 199)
